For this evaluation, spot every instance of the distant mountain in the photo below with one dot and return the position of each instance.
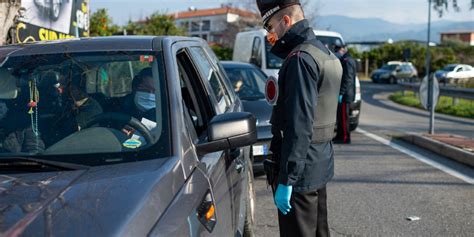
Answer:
(375, 29)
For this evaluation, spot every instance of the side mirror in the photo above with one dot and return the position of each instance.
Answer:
(229, 131)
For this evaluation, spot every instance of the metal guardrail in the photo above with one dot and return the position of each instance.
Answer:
(460, 93)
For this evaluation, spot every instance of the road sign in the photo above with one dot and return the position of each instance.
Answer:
(424, 87)
(271, 90)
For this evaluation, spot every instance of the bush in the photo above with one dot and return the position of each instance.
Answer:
(440, 55)
(223, 53)
(464, 108)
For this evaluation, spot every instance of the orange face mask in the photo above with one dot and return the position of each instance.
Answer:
(272, 38)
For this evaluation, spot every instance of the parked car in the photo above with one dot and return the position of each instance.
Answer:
(253, 47)
(122, 136)
(394, 71)
(249, 84)
(455, 71)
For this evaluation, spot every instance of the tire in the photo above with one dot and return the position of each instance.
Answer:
(249, 225)
(392, 80)
(353, 126)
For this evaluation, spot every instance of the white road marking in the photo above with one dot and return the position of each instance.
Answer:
(418, 156)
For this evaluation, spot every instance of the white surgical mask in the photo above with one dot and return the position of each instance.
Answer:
(144, 101)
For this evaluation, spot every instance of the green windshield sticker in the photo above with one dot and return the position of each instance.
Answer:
(132, 143)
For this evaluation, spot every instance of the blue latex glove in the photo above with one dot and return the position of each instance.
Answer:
(282, 198)
(340, 99)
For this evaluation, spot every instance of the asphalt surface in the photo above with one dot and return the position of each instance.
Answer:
(376, 187)
(380, 113)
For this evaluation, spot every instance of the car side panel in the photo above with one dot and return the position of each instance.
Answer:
(237, 157)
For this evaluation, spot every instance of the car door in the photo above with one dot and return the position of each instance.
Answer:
(241, 156)
(201, 107)
(235, 158)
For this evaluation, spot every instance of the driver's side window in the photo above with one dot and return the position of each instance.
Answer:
(197, 110)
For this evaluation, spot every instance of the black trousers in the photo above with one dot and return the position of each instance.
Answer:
(308, 215)
(343, 124)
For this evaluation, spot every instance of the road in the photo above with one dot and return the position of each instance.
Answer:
(377, 186)
(379, 113)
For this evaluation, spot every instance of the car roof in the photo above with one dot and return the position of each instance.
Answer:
(90, 44)
(399, 63)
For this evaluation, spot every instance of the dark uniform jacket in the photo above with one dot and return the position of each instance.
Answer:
(349, 70)
(304, 165)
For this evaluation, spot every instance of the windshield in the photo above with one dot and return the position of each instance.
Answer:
(80, 104)
(389, 67)
(330, 41)
(249, 83)
(273, 62)
(449, 68)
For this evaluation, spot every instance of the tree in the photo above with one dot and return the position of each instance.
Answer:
(443, 5)
(101, 24)
(9, 14)
(156, 24)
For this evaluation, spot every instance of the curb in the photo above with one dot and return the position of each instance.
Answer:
(440, 148)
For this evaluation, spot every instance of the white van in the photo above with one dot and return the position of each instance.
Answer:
(253, 47)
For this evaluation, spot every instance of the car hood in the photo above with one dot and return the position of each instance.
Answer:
(381, 71)
(263, 112)
(259, 108)
(101, 201)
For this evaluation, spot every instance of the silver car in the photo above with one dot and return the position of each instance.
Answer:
(122, 136)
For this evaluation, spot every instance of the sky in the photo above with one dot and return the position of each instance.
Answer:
(399, 11)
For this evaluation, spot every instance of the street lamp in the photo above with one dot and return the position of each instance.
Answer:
(431, 105)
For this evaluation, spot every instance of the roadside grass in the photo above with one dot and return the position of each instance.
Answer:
(463, 108)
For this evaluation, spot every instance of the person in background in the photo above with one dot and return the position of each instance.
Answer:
(346, 94)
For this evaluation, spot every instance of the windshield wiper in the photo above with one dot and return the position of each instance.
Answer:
(42, 163)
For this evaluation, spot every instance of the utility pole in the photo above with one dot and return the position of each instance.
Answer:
(431, 105)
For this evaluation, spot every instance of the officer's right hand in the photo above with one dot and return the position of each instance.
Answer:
(282, 198)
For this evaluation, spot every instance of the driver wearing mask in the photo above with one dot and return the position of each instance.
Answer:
(144, 103)
(144, 95)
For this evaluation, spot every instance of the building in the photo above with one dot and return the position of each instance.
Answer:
(465, 36)
(217, 25)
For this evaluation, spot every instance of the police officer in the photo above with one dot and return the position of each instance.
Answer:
(346, 94)
(303, 119)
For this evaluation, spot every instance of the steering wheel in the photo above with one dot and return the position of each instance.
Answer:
(124, 119)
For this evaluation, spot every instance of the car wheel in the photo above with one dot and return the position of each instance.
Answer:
(249, 225)
(392, 80)
(353, 126)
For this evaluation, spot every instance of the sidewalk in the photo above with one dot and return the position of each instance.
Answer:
(454, 147)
